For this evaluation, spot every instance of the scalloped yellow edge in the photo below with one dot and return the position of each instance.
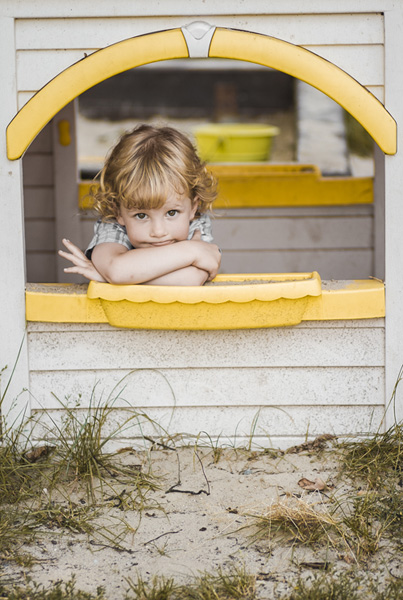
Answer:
(339, 300)
(271, 286)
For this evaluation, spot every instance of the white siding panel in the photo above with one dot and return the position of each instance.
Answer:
(131, 349)
(34, 34)
(289, 234)
(127, 8)
(209, 387)
(230, 422)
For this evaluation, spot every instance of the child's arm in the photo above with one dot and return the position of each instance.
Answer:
(120, 266)
(190, 275)
(186, 276)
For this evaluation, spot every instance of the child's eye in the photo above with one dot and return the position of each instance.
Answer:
(140, 216)
(172, 213)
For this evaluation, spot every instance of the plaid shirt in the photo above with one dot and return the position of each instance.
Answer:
(113, 232)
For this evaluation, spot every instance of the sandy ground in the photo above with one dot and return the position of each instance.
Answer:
(202, 523)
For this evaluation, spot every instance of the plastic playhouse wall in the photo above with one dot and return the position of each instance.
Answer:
(328, 373)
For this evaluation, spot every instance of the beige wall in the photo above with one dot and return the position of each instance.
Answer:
(314, 378)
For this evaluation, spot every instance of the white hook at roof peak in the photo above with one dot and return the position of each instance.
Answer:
(198, 38)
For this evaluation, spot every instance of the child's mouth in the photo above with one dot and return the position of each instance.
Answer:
(162, 243)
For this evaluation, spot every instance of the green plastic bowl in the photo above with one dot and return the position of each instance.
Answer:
(235, 142)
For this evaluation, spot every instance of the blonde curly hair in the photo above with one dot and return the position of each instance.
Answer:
(145, 165)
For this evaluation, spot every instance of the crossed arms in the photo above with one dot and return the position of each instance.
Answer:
(189, 262)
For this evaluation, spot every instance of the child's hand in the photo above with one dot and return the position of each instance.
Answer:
(83, 266)
(208, 257)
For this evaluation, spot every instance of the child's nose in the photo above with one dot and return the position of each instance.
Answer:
(158, 228)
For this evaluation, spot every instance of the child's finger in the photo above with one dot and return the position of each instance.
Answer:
(73, 248)
(76, 260)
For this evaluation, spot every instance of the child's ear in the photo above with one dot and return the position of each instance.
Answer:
(120, 220)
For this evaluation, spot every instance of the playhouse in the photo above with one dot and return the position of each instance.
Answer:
(280, 355)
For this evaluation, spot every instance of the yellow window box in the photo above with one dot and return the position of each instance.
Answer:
(230, 302)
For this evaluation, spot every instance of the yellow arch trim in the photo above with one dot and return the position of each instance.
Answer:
(83, 75)
(318, 72)
(226, 43)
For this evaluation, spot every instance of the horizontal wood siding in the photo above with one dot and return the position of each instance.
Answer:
(306, 379)
(38, 178)
(303, 29)
(126, 8)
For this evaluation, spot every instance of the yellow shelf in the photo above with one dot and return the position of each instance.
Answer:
(264, 185)
(248, 302)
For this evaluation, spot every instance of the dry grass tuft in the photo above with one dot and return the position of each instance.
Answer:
(295, 520)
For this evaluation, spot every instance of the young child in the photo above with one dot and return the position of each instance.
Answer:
(153, 201)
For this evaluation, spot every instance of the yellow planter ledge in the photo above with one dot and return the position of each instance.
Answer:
(230, 302)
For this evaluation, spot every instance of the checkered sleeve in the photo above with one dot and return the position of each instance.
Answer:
(108, 232)
(203, 223)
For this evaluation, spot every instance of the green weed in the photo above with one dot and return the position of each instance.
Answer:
(59, 591)
(344, 586)
(233, 584)
(376, 460)
(80, 454)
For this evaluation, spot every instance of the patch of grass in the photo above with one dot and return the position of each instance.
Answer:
(70, 517)
(15, 529)
(80, 453)
(159, 588)
(375, 516)
(376, 510)
(59, 591)
(376, 460)
(324, 587)
(40, 486)
(344, 586)
(19, 477)
(217, 450)
(233, 584)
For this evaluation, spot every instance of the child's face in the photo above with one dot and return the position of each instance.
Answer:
(159, 226)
